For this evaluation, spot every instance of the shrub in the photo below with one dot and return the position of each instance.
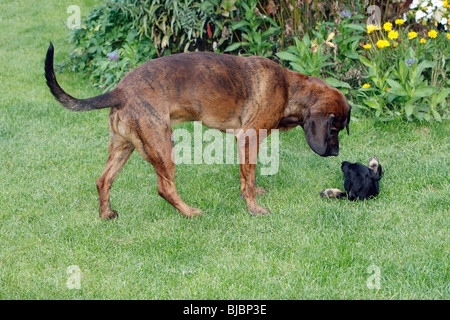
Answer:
(109, 44)
(139, 30)
(407, 74)
(398, 69)
(332, 54)
(257, 32)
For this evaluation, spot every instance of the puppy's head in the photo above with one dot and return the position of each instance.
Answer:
(327, 115)
(360, 181)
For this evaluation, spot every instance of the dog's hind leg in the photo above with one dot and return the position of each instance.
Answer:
(153, 141)
(120, 151)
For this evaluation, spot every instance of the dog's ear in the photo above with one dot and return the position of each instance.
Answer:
(380, 170)
(345, 166)
(348, 119)
(317, 132)
(374, 176)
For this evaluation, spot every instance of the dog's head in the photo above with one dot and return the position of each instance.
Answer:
(361, 182)
(328, 114)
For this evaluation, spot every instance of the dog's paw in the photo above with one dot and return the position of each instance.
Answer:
(108, 214)
(193, 213)
(374, 164)
(373, 161)
(332, 193)
(258, 211)
(324, 193)
(327, 193)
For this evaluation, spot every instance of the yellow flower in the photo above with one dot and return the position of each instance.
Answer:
(383, 43)
(448, 36)
(370, 28)
(432, 34)
(368, 46)
(446, 5)
(399, 21)
(387, 88)
(412, 35)
(422, 40)
(395, 44)
(366, 85)
(387, 26)
(393, 35)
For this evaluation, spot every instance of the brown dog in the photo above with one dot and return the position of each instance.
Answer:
(222, 91)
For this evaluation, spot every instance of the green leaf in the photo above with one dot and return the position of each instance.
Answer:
(365, 62)
(402, 71)
(337, 83)
(269, 32)
(423, 92)
(372, 104)
(396, 88)
(239, 24)
(354, 26)
(233, 47)
(299, 68)
(423, 65)
(352, 55)
(436, 115)
(442, 96)
(284, 55)
(409, 108)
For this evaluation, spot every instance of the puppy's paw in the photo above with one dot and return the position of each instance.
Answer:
(374, 165)
(332, 193)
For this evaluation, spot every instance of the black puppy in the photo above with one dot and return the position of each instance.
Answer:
(361, 182)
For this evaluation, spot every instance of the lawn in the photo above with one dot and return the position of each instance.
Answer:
(308, 248)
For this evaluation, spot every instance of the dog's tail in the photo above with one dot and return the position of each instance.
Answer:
(107, 100)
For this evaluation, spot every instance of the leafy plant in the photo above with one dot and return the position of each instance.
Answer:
(257, 32)
(304, 59)
(403, 73)
(403, 66)
(140, 30)
(308, 58)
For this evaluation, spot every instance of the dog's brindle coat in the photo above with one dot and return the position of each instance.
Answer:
(221, 91)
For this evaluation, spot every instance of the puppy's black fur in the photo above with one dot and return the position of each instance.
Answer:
(361, 182)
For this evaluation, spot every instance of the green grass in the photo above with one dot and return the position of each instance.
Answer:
(309, 248)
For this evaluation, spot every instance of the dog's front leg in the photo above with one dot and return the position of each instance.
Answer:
(248, 147)
(248, 189)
